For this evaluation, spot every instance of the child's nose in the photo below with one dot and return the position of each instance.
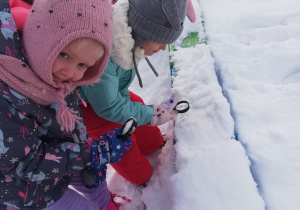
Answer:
(163, 47)
(68, 72)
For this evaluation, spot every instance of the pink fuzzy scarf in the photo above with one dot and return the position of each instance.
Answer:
(21, 78)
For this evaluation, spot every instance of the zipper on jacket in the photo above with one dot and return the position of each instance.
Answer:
(82, 101)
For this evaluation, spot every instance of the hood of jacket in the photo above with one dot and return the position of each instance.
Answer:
(123, 43)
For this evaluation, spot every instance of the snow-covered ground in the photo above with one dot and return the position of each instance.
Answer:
(238, 146)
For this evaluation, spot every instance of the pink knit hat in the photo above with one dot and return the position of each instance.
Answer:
(51, 25)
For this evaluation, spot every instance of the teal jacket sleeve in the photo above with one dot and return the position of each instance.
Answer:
(112, 102)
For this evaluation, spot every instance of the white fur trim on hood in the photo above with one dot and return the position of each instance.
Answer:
(123, 42)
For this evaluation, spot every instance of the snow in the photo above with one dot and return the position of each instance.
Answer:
(238, 145)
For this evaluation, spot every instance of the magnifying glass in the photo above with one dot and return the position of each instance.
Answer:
(182, 107)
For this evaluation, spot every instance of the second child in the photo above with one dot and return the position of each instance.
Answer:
(141, 28)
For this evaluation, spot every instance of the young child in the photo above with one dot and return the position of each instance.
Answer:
(43, 142)
(141, 28)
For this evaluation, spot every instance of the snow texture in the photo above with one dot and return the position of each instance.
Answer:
(237, 148)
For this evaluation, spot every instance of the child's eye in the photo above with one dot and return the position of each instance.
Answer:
(64, 55)
(82, 65)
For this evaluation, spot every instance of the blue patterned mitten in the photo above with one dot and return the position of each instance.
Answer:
(108, 149)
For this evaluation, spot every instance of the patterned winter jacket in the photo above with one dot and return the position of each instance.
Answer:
(37, 158)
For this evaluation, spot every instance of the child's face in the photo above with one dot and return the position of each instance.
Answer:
(152, 47)
(75, 59)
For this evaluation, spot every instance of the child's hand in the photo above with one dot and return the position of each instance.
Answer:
(164, 112)
(107, 149)
(110, 148)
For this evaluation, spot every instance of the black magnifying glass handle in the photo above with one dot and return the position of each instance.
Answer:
(128, 128)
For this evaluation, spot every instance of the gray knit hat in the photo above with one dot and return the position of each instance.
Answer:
(159, 21)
